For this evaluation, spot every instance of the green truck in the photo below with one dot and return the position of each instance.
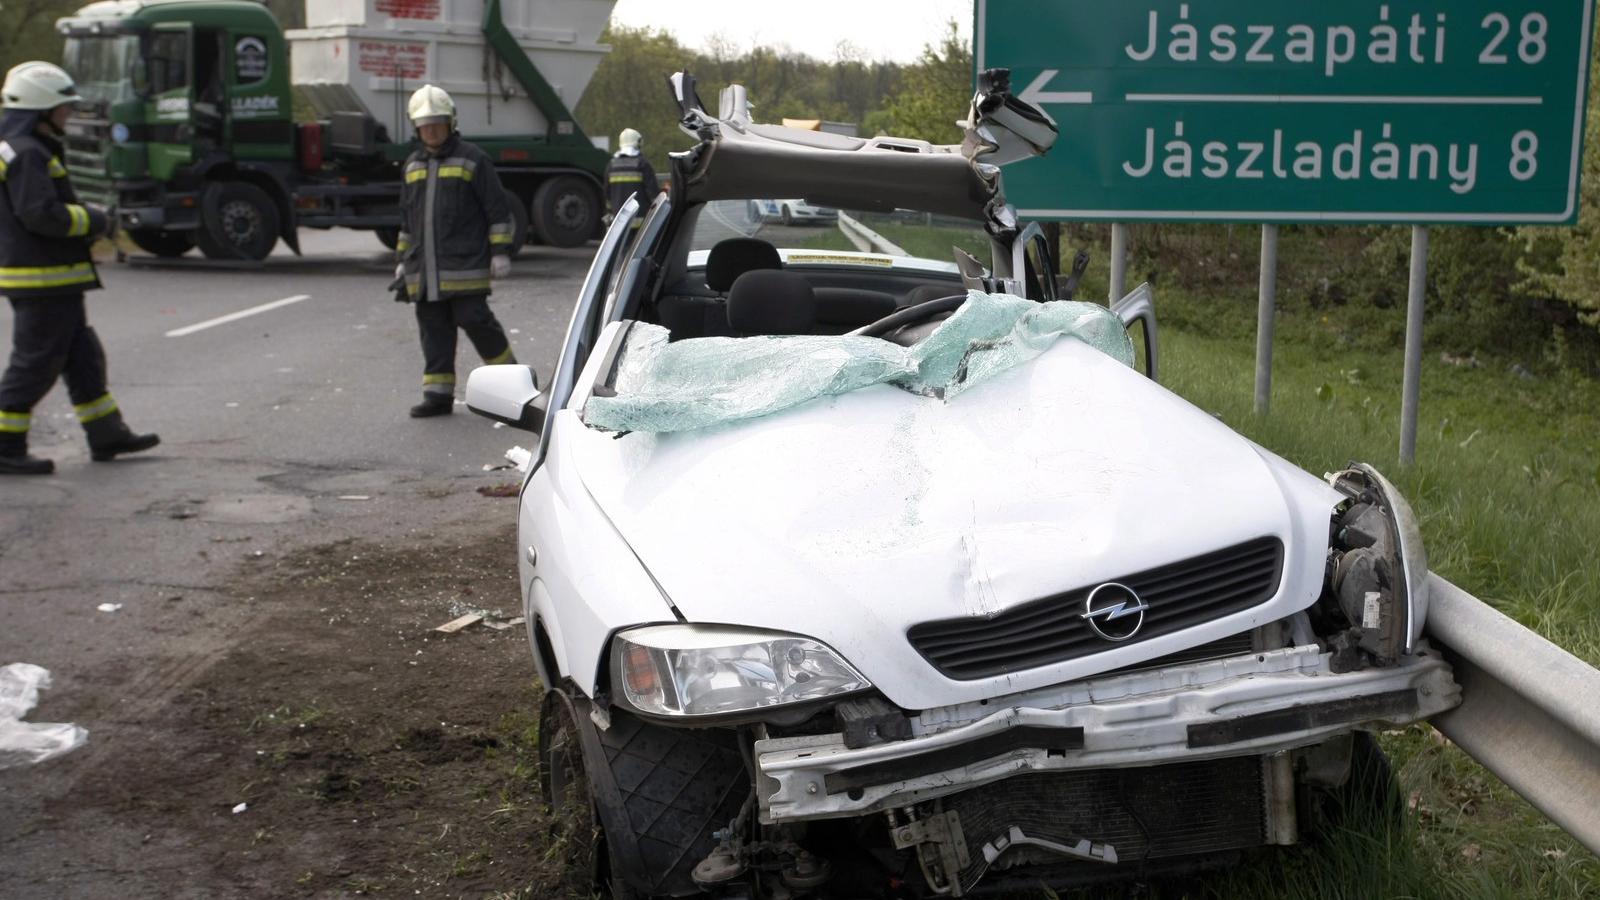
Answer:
(191, 130)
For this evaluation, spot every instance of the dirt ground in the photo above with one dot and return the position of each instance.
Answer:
(373, 755)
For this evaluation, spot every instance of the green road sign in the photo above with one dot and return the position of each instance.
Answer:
(1248, 110)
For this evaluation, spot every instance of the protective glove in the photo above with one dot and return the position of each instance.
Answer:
(400, 271)
(109, 214)
(499, 266)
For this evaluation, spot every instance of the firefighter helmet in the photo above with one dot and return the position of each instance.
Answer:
(431, 104)
(629, 139)
(38, 85)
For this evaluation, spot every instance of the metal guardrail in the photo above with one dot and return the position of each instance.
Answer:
(867, 240)
(1529, 713)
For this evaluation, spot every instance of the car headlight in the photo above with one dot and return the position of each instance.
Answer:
(702, 670)
(1380, 574)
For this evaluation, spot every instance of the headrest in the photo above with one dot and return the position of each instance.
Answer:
(771, 302)
(735, 256)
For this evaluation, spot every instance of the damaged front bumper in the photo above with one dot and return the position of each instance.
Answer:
(1257, 704)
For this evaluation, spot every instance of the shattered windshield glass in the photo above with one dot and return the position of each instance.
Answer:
(663, 386)
(794, 224)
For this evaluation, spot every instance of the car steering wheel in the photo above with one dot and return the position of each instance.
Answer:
(921, 312)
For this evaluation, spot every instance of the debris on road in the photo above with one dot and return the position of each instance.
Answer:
(520, 457)
(455, 625)
(503, 489)
(240, 808)
(109, 607)
(354, 497)
(27, 743)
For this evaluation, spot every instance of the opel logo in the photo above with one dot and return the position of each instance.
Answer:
(1114, 611)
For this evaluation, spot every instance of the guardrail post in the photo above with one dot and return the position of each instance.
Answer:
(1266, 303)
(1411, 388)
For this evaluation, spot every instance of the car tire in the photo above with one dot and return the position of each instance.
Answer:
(237, 221)
(788, 217)
(655, 795)
(565, 211)
(166, 244)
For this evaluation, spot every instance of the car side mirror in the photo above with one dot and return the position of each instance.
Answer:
(1139, 308)
(508, 394)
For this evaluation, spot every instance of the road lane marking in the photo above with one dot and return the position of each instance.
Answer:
(234, 317)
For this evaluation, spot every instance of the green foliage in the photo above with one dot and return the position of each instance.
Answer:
(27, 30)
(933, 95)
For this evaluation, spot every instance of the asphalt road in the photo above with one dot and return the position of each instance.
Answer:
(272, 425)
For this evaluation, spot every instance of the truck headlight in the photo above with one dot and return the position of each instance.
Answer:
(702, 670)
(1380, 571)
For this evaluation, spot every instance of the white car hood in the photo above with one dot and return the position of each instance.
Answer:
(850, 519)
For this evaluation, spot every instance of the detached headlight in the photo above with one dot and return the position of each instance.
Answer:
(1380, 573)
(703, 670)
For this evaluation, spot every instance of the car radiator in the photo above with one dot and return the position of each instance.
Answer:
(1144, 814)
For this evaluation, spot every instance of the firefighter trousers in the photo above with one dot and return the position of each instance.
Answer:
(437, 321)
(50, 339)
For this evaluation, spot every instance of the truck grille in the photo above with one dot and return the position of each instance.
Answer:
(1146, 814)
(1180, 595)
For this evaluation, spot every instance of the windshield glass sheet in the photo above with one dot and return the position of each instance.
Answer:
(663, 386)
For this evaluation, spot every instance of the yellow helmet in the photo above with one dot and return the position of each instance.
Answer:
(431, 104)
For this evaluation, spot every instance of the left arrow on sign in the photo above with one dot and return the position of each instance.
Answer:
(1036, 94)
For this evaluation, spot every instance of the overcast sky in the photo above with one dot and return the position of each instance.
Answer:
(882, 29)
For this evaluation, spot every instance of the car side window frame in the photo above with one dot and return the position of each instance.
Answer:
(574, 349)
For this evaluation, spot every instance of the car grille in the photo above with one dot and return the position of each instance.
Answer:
(1147, 814)
(1180, 595)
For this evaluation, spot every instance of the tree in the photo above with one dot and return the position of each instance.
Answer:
(28, 30)
(933, 93)
(1565, 262)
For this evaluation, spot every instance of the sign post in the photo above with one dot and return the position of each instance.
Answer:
(1411, 112)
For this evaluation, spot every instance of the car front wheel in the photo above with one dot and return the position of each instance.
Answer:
(635, 803)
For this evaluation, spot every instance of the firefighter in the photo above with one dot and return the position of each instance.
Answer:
(455, 235)
(628, 174)
(45, 268)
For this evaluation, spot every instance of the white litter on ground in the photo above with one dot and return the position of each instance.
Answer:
(240, 808)
(109, 607)
(26, 743)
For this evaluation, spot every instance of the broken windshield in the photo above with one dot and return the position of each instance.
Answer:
(663, 386)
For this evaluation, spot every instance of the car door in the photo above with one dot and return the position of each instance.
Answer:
(169, 67)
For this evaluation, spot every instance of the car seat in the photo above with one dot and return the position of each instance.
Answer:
(771, 302)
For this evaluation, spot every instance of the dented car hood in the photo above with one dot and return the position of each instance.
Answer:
(852, 518)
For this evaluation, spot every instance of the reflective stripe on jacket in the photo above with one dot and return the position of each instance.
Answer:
(627, 176)
(44, 231)
(455, 215)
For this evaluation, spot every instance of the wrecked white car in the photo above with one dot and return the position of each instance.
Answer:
(853, 572)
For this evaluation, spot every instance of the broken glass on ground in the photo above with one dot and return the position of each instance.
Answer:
(664, 386)
(25, 743)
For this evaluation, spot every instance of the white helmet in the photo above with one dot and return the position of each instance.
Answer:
(38, 85)
(431, 104)
(629, 139)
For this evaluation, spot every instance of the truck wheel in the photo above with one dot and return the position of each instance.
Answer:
(565, 211)
(162, 243)
(389, 237)
(637, 802)
(238, 221)
(519, 223)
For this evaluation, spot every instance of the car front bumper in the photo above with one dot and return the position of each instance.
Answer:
(1254, 704)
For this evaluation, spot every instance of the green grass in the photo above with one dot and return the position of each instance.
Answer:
(1507, 484)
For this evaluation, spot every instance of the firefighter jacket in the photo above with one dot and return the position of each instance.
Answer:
(454, 215)
(44, 231)
(627, 175)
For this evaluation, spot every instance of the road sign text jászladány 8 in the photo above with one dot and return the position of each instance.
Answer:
(1253, 111)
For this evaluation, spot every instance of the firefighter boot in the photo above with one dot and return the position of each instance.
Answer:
(110, 437)
(433, 405)
(14, 458)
